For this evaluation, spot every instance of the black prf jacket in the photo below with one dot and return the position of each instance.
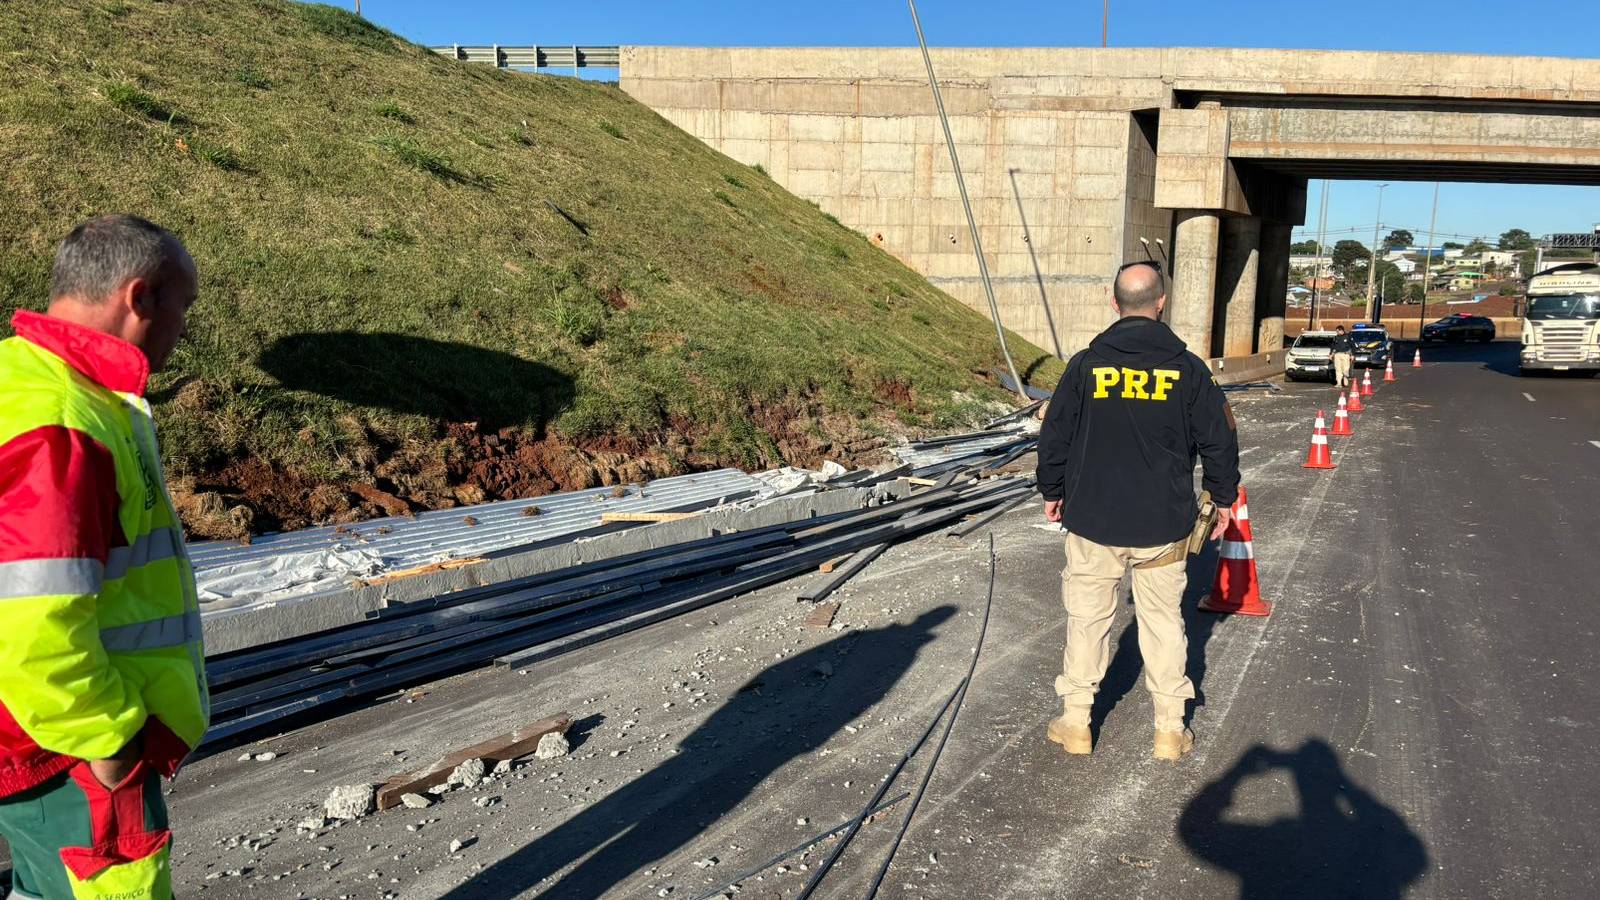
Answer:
(1120, 438)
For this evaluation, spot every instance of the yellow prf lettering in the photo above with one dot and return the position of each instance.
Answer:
(1164, 381)
(1104, 378)
(1133, 382)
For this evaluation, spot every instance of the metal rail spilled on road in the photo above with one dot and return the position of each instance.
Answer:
(526, 620)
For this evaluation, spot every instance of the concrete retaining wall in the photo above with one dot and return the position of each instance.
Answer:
(1245, 369)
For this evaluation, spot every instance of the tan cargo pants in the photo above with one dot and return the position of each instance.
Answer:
(1089, 592)
(1341, 368)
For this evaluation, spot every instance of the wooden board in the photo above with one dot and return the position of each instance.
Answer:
(511, 745)
(444, 566)
(822, 616)
(645, 516)
(834, 563)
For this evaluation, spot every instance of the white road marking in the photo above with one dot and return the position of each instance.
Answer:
(1596, 443)
(1529, 396)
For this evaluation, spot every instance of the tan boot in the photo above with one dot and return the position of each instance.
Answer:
(1074, 739)
(1172, 745)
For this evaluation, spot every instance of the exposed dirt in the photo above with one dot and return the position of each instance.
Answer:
(467, 465)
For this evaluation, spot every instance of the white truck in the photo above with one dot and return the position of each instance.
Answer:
(1561, 324)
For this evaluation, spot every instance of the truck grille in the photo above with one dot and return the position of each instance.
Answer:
(1563, 342)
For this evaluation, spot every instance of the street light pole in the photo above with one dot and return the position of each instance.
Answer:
(966, 205)
(1427, 267)
(1372, 269)
(1105, 21)
(1316, 267)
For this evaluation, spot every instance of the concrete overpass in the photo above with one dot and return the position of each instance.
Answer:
(1081, 159)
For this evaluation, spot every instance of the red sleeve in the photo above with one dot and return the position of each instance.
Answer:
(58, 496)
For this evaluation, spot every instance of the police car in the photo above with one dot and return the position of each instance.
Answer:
(1371, 344)
(1311, 357)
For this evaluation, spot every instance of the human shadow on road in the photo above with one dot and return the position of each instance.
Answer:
(1343, 843)
(787, 710)
(1198, 626)
(1126, 662)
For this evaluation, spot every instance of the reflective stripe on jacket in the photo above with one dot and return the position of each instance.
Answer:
(99, 620)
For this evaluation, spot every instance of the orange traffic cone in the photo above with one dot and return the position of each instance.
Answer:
(1366, 383)
(1388, 370)
(1341, 420)
(1355, 399)
(1236, 589)
(1318, 456)
(1416, 358)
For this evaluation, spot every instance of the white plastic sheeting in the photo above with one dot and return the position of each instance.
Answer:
(312, 561)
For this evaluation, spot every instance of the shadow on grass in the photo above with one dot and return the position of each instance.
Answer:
(1342, 842)
(421, 376)
(783, 713)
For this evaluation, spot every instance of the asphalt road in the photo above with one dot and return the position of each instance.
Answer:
(1416, 718)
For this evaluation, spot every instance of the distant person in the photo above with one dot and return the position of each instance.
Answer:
(1116, 468)
(104, 675)
(1344, 355)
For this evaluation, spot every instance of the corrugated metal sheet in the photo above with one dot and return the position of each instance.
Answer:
(946, 452)
(443, 534)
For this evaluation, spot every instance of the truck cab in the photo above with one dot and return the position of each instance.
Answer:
(1561, 324)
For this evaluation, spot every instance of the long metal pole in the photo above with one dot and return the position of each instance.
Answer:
(1027, 238)
(1372, 270)
(966, 204)
(1322, 237)
(1105, 21)
(1427, 267)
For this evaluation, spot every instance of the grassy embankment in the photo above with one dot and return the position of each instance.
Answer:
(448, 282)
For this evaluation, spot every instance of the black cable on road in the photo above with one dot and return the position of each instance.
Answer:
(855, 824)
(805, 845)
(955, 698)
(949, 726)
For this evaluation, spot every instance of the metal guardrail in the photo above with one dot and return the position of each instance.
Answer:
(1572, 240)
(537, 56)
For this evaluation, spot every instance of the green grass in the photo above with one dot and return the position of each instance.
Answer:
(356, 300)
(392, 110)
(136, 102)
(418, 157)
(344, 25)
(222, 157)
(251, 78)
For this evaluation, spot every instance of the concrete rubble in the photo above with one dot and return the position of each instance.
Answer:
(552, 746)
(349, 801)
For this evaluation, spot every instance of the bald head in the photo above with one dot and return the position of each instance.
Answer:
(1138, 291)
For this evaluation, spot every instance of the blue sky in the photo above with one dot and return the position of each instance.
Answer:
(1462, 26)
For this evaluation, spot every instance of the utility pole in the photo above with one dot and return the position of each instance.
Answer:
(358, 7)
(1105, 21)
(1316, 270)
(1372, 269)
(966, 204)
(1427, 267)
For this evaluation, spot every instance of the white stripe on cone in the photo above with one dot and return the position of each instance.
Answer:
(1319, 439)
(1237, 550)
(1244, 513)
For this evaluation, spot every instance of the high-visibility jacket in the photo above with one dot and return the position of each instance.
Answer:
(99, 619)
